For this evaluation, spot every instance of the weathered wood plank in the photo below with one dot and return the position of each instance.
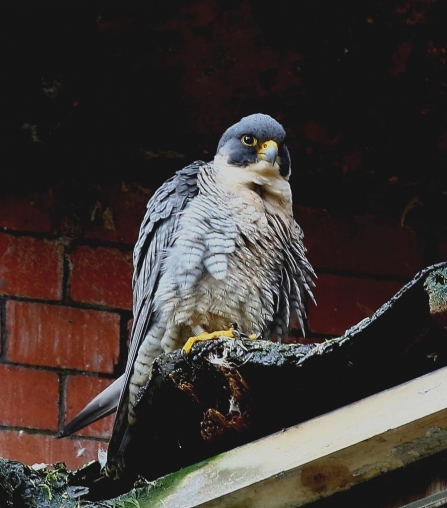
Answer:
(333, 452)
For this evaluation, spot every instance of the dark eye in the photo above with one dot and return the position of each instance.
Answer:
(248, 140)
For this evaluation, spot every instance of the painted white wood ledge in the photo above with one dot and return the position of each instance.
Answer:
(324, 455)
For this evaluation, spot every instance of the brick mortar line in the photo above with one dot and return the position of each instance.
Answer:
(61, 370)
(51, 433)
(65, 276)
(62, 403)
(75, 242)
(72, 304)
(37, 235)
(92, 242)
(3, 342)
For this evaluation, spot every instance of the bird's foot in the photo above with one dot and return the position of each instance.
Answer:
(231, 333)
(208, 336)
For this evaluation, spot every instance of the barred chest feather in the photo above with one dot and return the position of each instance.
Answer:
(225, 263)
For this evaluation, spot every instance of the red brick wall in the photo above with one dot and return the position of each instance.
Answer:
(361, 261)
(65, 293)
(65, 304)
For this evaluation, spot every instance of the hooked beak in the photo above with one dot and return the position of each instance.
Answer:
(268, 151)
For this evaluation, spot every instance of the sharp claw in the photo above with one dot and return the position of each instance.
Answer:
(237, 334)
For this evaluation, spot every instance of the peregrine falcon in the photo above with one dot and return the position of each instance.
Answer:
(218, 244)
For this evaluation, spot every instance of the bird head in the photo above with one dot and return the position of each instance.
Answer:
(255, 143)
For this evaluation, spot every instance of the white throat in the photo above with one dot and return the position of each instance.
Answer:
(260, 178)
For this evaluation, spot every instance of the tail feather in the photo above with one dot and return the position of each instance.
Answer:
(102, 405)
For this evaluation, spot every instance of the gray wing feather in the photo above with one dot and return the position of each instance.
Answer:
(156, 235)
(296, 278)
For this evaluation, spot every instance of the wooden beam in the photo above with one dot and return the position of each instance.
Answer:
(317, 458)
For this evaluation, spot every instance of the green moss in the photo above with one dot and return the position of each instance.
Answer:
(156, 491)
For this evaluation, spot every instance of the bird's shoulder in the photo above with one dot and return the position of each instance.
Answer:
(173, 193)
(163, 208)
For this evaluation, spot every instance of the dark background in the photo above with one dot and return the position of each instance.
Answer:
(131, 91)
(105, 101)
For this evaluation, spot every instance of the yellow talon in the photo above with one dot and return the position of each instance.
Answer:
(207, 336)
